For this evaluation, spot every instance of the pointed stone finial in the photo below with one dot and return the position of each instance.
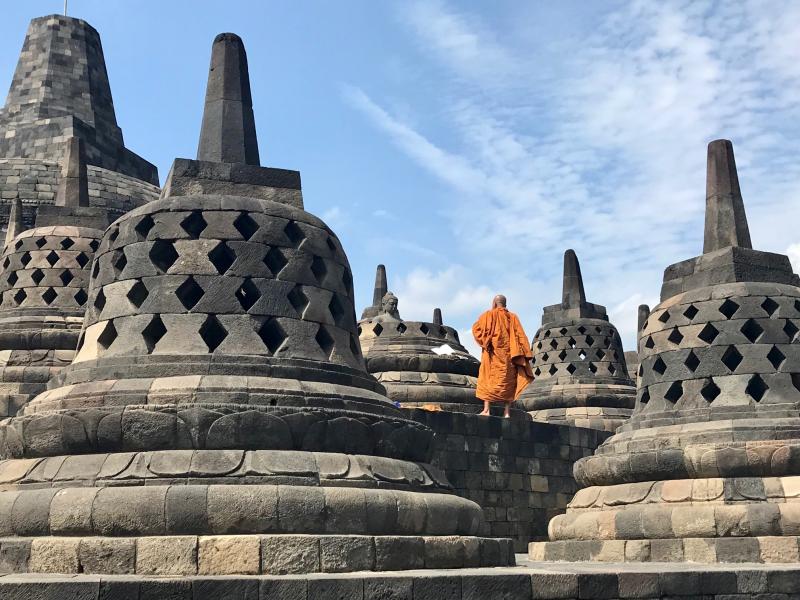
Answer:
(437, 316)
(644, 314)
(726, 222)
(14, 221)
(381, 287)
(228, 133)
(73, 188)
(573, 295)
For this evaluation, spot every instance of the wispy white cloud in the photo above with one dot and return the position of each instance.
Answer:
(607, 153)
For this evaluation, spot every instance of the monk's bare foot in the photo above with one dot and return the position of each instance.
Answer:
(483, 413)
(506, 416)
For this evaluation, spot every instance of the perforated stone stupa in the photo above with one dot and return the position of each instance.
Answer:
(60, 89)
(44, 276)
(707, 469)
(580, 374)
(217, 417)
(418, 362)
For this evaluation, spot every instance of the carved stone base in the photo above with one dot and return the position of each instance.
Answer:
(589, 417)
(762, 549)
(171, 556)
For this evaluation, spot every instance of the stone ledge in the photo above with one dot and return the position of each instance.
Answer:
(763, 550)
(170, 556)
(531, 581)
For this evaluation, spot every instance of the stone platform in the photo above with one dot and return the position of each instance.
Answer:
(529, 581)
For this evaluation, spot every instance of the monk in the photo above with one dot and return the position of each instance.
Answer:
(505, 360)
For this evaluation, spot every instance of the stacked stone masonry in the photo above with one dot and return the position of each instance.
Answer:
(35, 183)
(534, 581)
(419, 362)
(218, 389)
(706, 469)
(60, 89)
(44, 274)
(580, 376)
(518, 471)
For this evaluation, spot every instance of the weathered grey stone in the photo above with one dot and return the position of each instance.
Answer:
(411, 358)
(229, 555)
(287, 554)
(580, 374)
(219, 323)
(110, 556)
(166, 556)
(340, 553)
(697, 472)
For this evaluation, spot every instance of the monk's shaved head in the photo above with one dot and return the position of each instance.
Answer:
(500, 300)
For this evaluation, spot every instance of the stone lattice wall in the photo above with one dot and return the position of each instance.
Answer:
(519, 471)
(35, 182)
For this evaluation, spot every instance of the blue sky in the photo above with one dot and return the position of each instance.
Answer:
(467, 144)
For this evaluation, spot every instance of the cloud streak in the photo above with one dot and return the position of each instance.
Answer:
(607, 153)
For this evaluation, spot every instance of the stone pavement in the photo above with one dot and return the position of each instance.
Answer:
(528, 581)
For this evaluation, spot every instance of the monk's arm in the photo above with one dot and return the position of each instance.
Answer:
(480, 331)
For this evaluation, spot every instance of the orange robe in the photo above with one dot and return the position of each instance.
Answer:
(505, 367)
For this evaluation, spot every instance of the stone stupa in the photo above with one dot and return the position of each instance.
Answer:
(60, 89)
(217, 417)
(44, 278)
(419, 362)
(706, 469)
(580, 375)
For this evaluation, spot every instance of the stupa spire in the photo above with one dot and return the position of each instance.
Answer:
(381, 287)
(73, 189)
(14, 221)
(573, 295)
(228, 132)
(437, 316)
(726, 222)
(643, 315)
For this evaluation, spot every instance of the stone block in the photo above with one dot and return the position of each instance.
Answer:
(240, 589)
(700, 550)
(668, 550)
(778, 549)
(546, 586)
(639, 585)
(283, 589)
(679, 583)
(507, 587)
(54, 555)
(598, 585)
(166, 589)
(108, 556)
(443, 552)
(343, 553)
(289, 554)
(336, 589)
(399, 552)
(14, 555)
(737, 550)
(229, 555)
(389, 588)
(437, 588)
(119, 589)
(71, 511)
(166, 556)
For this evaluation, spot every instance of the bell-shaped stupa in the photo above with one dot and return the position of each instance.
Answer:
(580, 375)
(706, 469)
(219, 390)
(418, 362)
(43, 284)
(60, 89)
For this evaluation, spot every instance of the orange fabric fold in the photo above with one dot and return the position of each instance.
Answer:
(505, 359)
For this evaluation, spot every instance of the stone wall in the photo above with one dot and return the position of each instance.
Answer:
(35, 182)
(519, 471)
